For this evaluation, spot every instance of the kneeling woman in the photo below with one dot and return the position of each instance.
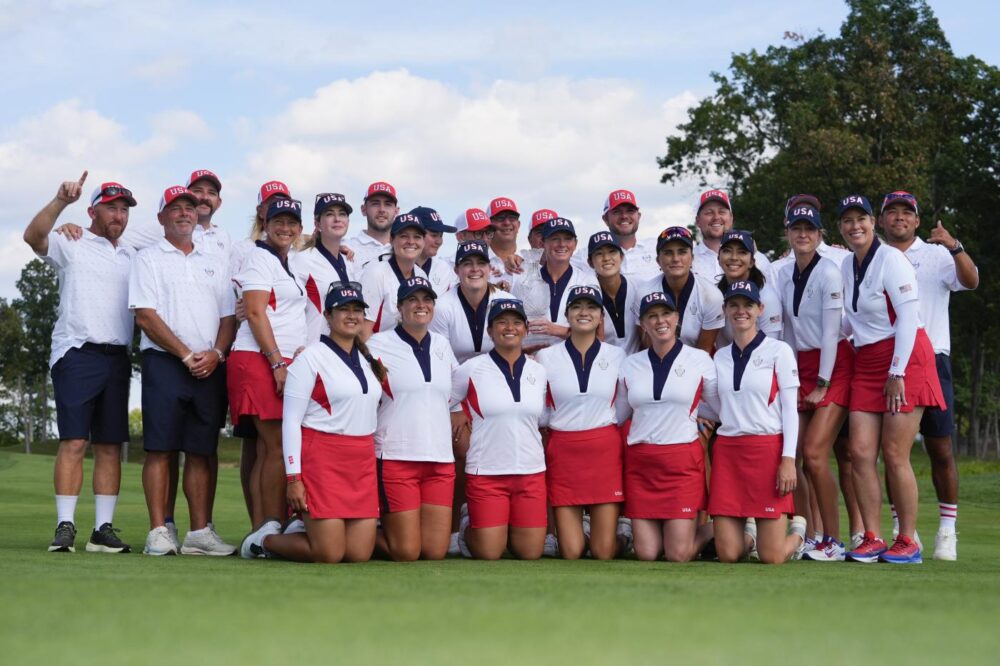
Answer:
(664, 460)
(330, 407)
(753, 460)
(505, 465)
(583, 455)
(413, 441)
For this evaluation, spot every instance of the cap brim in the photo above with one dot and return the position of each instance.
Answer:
(604, 244)
(429, 290)
(658, 304)
(475, 253)
(443, 229)
(409, 225)
(346, 206)
(585, 297)
(348, 302)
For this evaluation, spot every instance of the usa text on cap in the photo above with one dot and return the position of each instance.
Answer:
(744, 238)
(557, 225)
(854, 201)
(412, 285)
(802, 200)
(432, 221)
(175, 192)
(473, 219)
(674, 234)
(900, 197)
(204, 174)
(282, 206)
(342, 293)
(586, 293)
(618, 198)
(383, 188)
(503, 306)
(471, 248)
(501, 204)
(803, 213)
(714, 195)
(107, 192)
(656, 298)
(406, 221)
(602, 239)
(745, 288)
(328, 200)
(540, 217)
(272, 188)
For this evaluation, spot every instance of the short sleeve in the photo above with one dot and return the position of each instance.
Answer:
(712, 316)
(786, 367)
(142, 291)
(60, 252)
(441, 323)
(140, 236)
(256, 274)
(946, 270)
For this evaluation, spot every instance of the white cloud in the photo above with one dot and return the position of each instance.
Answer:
(165, 70)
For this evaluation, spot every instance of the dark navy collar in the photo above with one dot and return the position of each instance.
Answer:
(741, 357)
(556, 290)
(616, 307)
(338, 262)
(284, 262)
(513, 380)
(583, 364)
(661, 367)
(396, 269)
(683, 298)
(860, 270)
(427, 265)
(422, 350)
(351, 360)
(476, 318)
(800, 280)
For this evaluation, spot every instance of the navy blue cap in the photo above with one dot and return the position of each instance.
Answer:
(803, 213)
(411, 286)
(744, 238)
(584, 292)
(556, 225)
(503, 306)
(669, 234)
(327, 200)
(854, 201)
(471, 248)
(746, 288)
(656, 298)
(406, 221)
(602, 239)
(432, 221)
(341, 293)
(800, 200)
(279, 206)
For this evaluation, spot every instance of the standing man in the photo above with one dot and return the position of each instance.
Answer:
(506, 221)
(380, 208)
(622, 215)
(942, 266)
(713, 219)
(89, 362)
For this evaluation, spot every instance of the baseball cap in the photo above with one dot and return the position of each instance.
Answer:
(204, 174)
(503, 306)
(406, 221)
(803, 212)
(674, 234)
(746, 288)
(854, 201)
(272, 188)
(800, 200)
(501, 204)
(602, 239)
(342, 293)
(327, 200)
(900, 196)
(106, 192)
(656, 298)
(714, 195)
(175, 192)
(411, 286)
(539, 217)
(282, 206)
(432, 221)
(619, 197)
(744, 238)
(471, 248)
(584, 292)
(557, 224)
(473, 219)
(381, 187)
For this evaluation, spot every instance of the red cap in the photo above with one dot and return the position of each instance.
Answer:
(714, 195)
(501, 204)
(106, 192)
(204, 174)
(272, 188)
(382, 187)
(175, 192)
(542, 216)
(619, 197)
(473, 219)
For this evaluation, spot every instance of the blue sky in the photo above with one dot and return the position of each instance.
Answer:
(553, 104)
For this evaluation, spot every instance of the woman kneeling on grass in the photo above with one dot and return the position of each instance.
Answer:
(330, 408)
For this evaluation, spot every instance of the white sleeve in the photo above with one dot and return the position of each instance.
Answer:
(441, 323)
(947, 272)
(371, 290)
(255, 274)
(828, 342)
(789, 397)
(712, 317)
(59, 253)
(460, 382)
(140, 236)
(907, 320)
(771, 319)
(298, 389)
(710, 403)
(142, 284)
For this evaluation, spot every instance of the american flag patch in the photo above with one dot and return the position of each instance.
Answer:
(905, 288)
(835, 296)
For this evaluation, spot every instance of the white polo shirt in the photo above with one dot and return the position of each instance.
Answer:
(824, 249)
(286, 304)
(441, 274)
(462, 325)
(93, 292)
(505, 410)
(553, 292)
(317, 269)
(700, 305)
(621, 316)
(706, 263)
(937, 277)
(806, 296)
(887, 280)
(771, 321)
(366, 249)
(581, 389)
(190, 293)
(414, 420)
(214, 240)
(379, 284)
(336, 393)
(664, 394)
(749, 382)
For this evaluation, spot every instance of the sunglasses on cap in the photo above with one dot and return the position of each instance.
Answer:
(340, 284)
(115, 191)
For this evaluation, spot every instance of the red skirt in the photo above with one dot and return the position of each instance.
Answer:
(665, 482)
(339, 474)
(745, 478)
(251, 387)
(584, 467)
(871, 369)
(839, 392)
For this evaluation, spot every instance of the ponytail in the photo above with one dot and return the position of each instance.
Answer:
(378, 369)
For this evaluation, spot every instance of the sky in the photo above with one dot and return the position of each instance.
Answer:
(553, 104)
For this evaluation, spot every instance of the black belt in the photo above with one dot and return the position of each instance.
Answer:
(105, 349)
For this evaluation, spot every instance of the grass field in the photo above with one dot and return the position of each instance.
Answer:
(115, 609)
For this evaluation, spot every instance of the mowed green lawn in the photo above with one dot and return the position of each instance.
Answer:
(114, 609)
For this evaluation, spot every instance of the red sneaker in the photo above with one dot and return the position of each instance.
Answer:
(904, 551)
(869, 551)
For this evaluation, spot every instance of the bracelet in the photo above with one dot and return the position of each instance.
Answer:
(271, 353)
(893, 375)
(222, 357)
(823, 383)
(293, 478)
(187, 358)
(279, 364)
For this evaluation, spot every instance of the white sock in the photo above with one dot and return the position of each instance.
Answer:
(66, 508)
(818, 537)
(895, 518)
(104, 506)
(948, 515)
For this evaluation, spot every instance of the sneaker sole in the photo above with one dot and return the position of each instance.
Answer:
(945, 558)
(168, 553)
(918, 560)
(62, 549)
(872, 559)
(99, 548)
(198, 551)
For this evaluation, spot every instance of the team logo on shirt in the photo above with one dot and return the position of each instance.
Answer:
(602, 364)
(757, 361)
(679, 370)
(531, 379)
(835, 296)
(440, 354)
(209, 272)
(905, 288)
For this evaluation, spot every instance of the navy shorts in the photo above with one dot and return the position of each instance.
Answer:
(91, 390)
(179, 411)
(936, 422)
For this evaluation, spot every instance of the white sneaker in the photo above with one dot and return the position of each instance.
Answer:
(158, 542)
(206, 542)
(586, 526)
(551, 548)
(463, 524)
(857, 539)
(946, 545)
(172, 529)
(453, 545)
(807, 546)
(624, 533)
(828, 551)
(750, 529)
(295, 526)
(253, 545)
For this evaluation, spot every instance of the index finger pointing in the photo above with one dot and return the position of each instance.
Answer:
(83, 178)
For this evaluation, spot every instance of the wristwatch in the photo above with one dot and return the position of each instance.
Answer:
(823, 383)
(958, 249)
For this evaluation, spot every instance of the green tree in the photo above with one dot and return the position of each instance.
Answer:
(38, 308)
(11, 374)
(884, 105)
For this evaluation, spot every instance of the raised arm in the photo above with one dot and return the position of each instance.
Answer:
(37, 233)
